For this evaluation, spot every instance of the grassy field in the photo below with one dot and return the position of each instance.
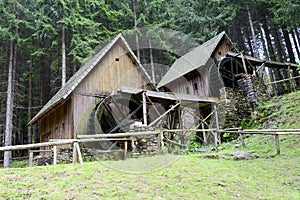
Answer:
(165, 177)
(188, 176)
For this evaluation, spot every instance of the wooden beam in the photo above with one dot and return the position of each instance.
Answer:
(175, 143)
(187, 130)
(144, 108)
(157, 119)
(116, 135)
(287, 79)
(37, 145)
(271, 130)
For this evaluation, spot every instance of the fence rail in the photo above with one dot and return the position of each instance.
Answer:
(77, 156)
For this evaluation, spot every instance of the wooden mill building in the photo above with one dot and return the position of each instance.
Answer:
(67, 112)
(216, 64)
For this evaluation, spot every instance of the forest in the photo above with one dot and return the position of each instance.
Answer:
(43, 43)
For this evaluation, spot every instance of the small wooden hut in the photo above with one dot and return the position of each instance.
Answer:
(67, 112)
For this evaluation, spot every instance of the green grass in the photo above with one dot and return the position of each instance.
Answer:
(177, 177)
(168, 177)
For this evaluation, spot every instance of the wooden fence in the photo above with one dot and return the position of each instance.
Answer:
(77, 156)
(275, 132)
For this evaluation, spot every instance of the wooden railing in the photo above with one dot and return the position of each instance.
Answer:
(77, 156)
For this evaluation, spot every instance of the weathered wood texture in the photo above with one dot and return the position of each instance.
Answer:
(58, 123)
(116, 69)
(197, 82)
(223, 48)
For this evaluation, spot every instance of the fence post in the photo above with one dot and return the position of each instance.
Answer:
(277, 144)
(125, 150)
(74, 153)
(54, 155)
(159, 142)
(30, 158)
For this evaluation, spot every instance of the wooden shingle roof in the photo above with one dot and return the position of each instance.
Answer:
(192, 60)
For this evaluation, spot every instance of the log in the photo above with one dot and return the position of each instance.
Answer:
(187, 130)
(271, 130)
(37, 145)
(157, 119)
(175, 143)
(116, 135)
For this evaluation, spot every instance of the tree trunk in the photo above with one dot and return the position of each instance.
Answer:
(63, 57)
(280, 56)
(265, 44)
(288, 44)
(295, 43)
(151, 63)
(269, 41)
(135, 27)
(297, 36)
(255, 49)
(9, 109)
(250, 45)
(29, 114)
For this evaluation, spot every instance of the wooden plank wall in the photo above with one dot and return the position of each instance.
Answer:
(115, 70)
(224, 46)
(195, 83)
(58, 123)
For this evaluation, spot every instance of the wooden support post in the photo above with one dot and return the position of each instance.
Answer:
(159, 142)
(54, 155)
(242, 139)
(144, 108)
(79, 153)
(217, 124)
(125, 150)
(244, 63)
(203, 127)
(291, 77)
(277, 144)
(216, 139)
(74, 153)
(30, 158)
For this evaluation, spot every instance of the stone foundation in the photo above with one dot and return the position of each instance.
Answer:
(236, 105)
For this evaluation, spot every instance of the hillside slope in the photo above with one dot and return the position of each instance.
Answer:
(279, 112)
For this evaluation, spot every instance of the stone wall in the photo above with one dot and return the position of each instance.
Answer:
(256, 91)
(233, 107)
(143, 145)
(237, 104)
